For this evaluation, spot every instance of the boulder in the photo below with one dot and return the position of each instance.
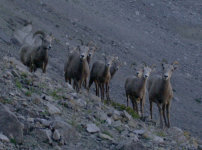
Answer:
(92, 128)
(10, 125)
(67, 132)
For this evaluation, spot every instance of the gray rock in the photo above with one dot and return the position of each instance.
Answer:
(53, 110)
(132, 145)
(66, 131)
(109, 121)
(126, 115)
(132, 124)
(107, 137)
(4, 138)
(44, 135)
(140, 132)
(92, 128)
(10, 125)
(81, 102)
(56, 135)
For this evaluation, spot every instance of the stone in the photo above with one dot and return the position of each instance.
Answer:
(157, 139)
(44, 122)
(81, 102)
(132, 124)
(56, 135)
(53, 110)
(10, 125)
(66, 131)
(92, 128)
(4, 138)
(131, 145)
(107, 137)
(109, 121)
(43, 135)
(126, 115)
(139, 132)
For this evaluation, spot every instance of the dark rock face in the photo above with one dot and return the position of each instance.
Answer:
(10, 125)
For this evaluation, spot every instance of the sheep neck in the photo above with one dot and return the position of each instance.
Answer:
(166, 89)
(106, 71)
(143, 83)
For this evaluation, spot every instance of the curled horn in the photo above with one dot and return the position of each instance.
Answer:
(175, 63)
(144, 63)
(40, 32)
(81, 41)
(90, 43)
(153, 66)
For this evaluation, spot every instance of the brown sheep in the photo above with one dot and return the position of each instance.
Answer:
(136, 89)
(100, 74)
(161, 93)
(138, 74)
(77, 67)
(37, 56)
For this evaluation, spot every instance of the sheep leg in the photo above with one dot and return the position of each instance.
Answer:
(142, 107)
(133, 104)
(164, 116)
(136, 106)
(160, 114)
(168, 114)
(97, 88)
(127, 99)
(44, 67)
(103, 91)
(151, 106)
(90, 83)
(107, 91)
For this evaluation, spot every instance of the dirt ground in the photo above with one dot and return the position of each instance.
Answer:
(135, 30)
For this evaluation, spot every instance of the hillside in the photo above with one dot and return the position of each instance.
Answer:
(38, 112)
(135, 30)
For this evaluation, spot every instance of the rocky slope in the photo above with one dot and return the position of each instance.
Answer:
(134, 30)
(37, 113)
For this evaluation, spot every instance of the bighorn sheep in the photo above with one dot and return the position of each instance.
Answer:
(138, 74)
(77, 67)
(74, 56)
(100, 74)
(37, 56)
(161, 93)
(135, 89)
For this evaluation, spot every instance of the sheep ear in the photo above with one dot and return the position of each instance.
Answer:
(175, 64)
(162, 64)
(153, 67)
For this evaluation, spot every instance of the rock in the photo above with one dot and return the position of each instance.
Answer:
(109, 121)
(200, 147)
(81, 102)
(56, 135)
(152, 137)
(53, 110)
(177, 134)
(132, 145)
(10, 125)
(157, 139)
(92, 128)
(107, 137)
(116, 115)
(139, 132)
(132, 124)
(102, 116)
(43, 135)
(67, 132)
(44, 122)
(4, 138)
(126, 115)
